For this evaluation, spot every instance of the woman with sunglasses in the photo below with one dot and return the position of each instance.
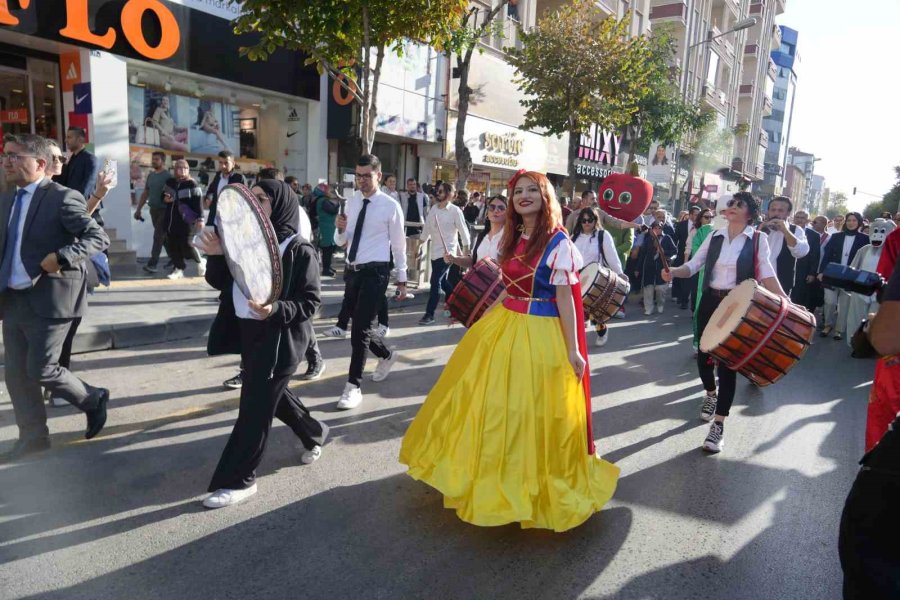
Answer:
(729, 256)
(596, 246)
(840, 249)
(487, 244)
(505, 434)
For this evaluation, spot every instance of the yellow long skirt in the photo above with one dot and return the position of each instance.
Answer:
(502, 435)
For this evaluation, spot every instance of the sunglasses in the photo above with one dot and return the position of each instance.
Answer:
(735, 202)
(59, 158)
(588, 220)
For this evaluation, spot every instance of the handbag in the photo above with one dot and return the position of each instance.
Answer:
(147, 134)
(187, 213)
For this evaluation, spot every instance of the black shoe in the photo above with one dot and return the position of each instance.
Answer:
(235, 383)
(329, 273)
(683, 306)
(426, 320)
(96, 418)
(23, 448)
(315, 370)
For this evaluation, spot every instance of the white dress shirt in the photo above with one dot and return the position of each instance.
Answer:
(18, 276)
(776, 242)
(442, 226)
(724, 272)
(383, 232)
(223, 181)
(304, 230)
(589, 248)
(848, 246)
(489, 246)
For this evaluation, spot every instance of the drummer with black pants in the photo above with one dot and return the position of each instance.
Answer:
(730, 255)
(371, 229)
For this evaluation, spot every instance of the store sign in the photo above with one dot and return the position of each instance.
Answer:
(19, 116)
(591, 170)
(599, 146)
(77, 27)
(507, 148)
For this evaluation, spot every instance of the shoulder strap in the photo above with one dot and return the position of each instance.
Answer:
(755, 255)
(602, 253)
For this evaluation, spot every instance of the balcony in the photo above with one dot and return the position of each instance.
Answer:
(716, 99)
(746, 90)
(776, 38)
(773, 70)
(669, 11)
(763, 140)
(767, 106)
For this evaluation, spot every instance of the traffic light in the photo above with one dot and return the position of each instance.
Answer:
(854, 191)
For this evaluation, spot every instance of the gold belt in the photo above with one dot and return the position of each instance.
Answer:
(532, 299)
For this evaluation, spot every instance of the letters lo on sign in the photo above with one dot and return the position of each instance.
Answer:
(78, 27)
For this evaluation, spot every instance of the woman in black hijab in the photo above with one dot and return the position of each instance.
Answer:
(841, 249)
(272, 341)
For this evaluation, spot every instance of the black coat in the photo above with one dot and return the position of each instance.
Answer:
(648, 264)
(212, 193)
(80, 174)
(835, 247)
(279, 343)
(681, 237)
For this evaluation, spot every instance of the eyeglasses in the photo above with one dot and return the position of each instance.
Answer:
(735, 202)
(588, 220)
(496, 207)
(13, 158)
(363, 175)
(59, 158)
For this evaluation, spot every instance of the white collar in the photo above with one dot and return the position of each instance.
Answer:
(748, 231)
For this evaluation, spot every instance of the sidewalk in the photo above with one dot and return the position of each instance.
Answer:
(140, 309)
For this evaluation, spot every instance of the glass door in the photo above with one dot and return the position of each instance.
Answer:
(15, 108)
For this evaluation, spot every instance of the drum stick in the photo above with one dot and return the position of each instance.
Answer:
(662, 255)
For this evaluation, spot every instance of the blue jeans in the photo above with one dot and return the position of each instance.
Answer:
(439, 271)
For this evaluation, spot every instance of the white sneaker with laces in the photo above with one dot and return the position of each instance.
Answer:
(715, 440)
(225, 497)
(708, 410)
(383, 331)
(336, 332)
(350, 398)
(602, 339)
(201, 267)
(384, 367)
(176, 274)
(310, 456)
(660, 308)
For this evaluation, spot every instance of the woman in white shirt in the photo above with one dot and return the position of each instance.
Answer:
(488, 243)
(596, 246)
(728, 257)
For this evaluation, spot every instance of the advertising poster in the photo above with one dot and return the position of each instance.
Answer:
(659, 163)
(180, 123)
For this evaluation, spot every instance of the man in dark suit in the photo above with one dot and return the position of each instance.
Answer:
(224, 176)
(681, 287)
(805, 277)
(46, 237)
(80, 171)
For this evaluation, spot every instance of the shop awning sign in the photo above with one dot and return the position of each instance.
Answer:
(18, 116)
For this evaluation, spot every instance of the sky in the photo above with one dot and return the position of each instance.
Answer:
(847, 109)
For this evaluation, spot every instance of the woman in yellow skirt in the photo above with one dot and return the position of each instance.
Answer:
(505, 434)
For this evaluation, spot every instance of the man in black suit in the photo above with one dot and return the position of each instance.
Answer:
(80, 171)
(46, 238)
(805, 276)
(681, 287)
(224, 176)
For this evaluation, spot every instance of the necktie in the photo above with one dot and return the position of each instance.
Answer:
(357, 231)
(822, 237)
(12, 239)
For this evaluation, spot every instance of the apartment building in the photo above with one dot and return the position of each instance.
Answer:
(778, 125)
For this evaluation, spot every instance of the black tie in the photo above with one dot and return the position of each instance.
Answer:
(357, 231)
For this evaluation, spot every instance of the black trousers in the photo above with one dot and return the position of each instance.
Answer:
(343, 320)
(365, 290)
(158, 218)
(705, 364)
(870, 554)
(327, 255)
(262, 399)
(181, 250)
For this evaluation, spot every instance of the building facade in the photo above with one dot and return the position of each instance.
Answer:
(778, 125)
(805, 164)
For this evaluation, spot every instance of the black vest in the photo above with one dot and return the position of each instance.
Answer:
(745, 266)
(786, 264)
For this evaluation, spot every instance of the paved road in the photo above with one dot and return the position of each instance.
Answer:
(119, 517)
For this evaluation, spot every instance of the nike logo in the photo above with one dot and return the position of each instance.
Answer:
(292, 134)
(80, 100)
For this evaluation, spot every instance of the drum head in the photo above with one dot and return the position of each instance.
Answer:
(726, 318)
(588, 275)
(250, 245)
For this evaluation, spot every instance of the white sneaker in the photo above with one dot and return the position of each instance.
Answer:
(201, 267)
(58, 402)
(384, 367)
(383, 331)
(660, 307)
(715, 440)
(176, 274)
(310, 456)
(620, 314)
(602, 339)
(225, 497)
(336, 332)
(648, 312)
(350, 398)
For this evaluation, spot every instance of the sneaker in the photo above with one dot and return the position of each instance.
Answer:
(709, 407)
(446, 314)
(176, 274)
(307, 457)
(620, 314)
(201, 267)
(384, 367)
(715, 441)
(150, 268)
(838, 335)
(225, 497)
(351, 397)
(383, 331)
(602, 338)
(235, 383)
(426, 320)
(336, 332)
(58, 402)
(314, 370)
(648, 312)
(660, 307)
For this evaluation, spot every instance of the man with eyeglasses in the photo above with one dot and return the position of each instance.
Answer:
(371, 229)
(80, 170)
(47, 238)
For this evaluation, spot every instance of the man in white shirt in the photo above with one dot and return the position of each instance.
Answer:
(371, 229)
(787, 242)
(445, 221)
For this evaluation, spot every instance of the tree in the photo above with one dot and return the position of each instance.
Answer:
(837, 205)
(663, 115)
(578, 68)
(464, 44)
(346, 37)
